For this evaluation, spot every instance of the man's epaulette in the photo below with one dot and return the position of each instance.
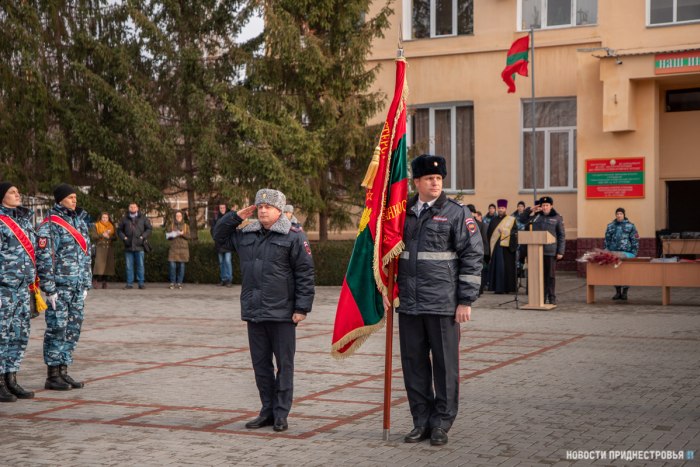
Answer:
(455, 201)
(296, 229)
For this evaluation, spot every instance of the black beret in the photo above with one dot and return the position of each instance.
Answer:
(62, 191)
(427, 164)
(546, 199)
(4, 188)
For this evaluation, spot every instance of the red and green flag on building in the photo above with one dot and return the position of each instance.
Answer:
(379, 239)
(516, 62)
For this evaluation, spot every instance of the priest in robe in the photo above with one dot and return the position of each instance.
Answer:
(503, 241)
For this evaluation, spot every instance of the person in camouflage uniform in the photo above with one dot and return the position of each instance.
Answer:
(17, 273)
(621, 235)
(63, 263)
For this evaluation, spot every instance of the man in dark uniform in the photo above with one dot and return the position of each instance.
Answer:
(277, 292)
(438, 278)
(549, 220)
(64, 265)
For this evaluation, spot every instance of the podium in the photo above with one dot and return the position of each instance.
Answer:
(535, 241)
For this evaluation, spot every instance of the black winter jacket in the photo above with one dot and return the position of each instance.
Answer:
(276, 267)
(134, 231)
(440, 266)
(554, 224)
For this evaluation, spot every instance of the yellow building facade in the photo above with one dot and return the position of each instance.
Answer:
(617, 106)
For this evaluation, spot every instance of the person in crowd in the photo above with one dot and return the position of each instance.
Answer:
(289, 212)
(63, 262)
(503, 243)
(277, 292)
(621, 236)
(134, 230)
(490, 215)
(178, 234)
(17, 277)
(225, 265)
(103, 236)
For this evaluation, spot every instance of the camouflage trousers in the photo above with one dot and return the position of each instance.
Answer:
(63, 326)
(14, 328)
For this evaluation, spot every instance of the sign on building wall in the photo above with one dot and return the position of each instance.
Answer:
(678, 62)
(615, 178)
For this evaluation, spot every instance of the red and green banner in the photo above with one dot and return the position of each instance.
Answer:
(516, 62)
(379, 240)
(615, 178)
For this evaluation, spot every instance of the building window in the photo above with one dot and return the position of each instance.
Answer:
(673, 11)
(683, 100)
(555, 133)
(439, 18)
(447, 131)
(544, 14)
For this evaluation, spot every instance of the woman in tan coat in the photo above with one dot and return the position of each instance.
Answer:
(103, 236)
(179, 253)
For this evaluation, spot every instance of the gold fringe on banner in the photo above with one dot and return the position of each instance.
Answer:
(40, 303)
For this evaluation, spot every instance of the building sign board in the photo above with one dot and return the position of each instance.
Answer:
(677, 62)
(615, 178)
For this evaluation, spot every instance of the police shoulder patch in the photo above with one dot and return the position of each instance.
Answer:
(42, 242)
(307, 248)
(471, 225)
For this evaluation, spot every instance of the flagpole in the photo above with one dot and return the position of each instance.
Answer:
(532, 105)
(388, 354)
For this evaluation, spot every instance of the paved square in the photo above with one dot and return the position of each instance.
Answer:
(169, 381)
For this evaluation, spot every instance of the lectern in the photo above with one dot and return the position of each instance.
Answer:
(535, 241)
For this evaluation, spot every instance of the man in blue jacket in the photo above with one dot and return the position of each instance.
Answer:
(277, 292)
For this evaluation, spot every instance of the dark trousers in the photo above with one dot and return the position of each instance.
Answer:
(421, 336)
(278, 340)
(550, 280)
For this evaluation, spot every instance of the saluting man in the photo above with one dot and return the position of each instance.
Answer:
(63, 261)
(438, 278)
(277, 292)
(17, 274)
(551, 221)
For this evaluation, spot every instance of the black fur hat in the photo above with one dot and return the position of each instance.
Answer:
(427, 164)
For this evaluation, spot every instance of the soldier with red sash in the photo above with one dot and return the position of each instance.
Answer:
(63, 262)
(17, 275)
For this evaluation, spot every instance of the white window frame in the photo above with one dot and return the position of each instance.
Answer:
(407, 26)
(453, 138)
(571, 130)
(543, 13)
(675, 15)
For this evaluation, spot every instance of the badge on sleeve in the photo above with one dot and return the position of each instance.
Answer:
(471, 226)
(307, 248)
(42, 242)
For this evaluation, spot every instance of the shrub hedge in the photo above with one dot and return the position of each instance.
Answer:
(330, 259)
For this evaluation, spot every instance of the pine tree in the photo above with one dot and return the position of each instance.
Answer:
(315, 66)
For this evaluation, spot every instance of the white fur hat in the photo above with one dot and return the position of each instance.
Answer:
(271, 197)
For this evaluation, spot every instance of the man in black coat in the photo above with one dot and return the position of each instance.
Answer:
(438, 279)
(549, 220)
(134, 229)
(277, 292)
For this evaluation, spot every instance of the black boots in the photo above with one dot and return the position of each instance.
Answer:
(16, 389)
(5, 394)
(63, 371)
(618, 293)
(621, 292)
(54, 381)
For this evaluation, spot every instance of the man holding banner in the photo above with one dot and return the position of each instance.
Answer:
(438, 280)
